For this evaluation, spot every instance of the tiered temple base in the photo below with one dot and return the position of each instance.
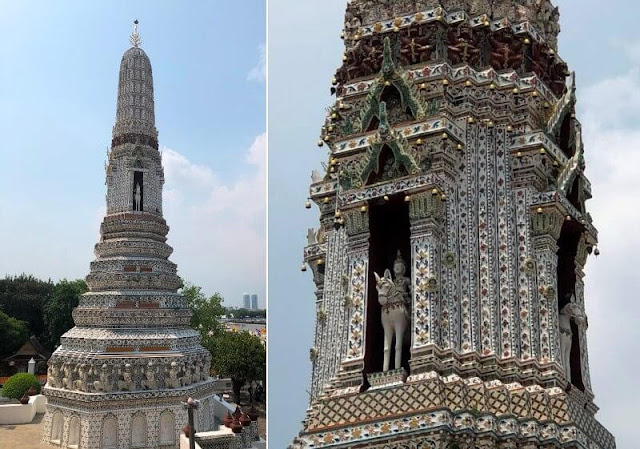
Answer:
(151, 419)
(436, 412)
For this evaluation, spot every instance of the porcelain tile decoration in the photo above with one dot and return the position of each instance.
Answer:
(453, 235)
(118, 379)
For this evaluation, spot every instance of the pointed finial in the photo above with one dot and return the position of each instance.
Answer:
(135, 37)
(388, 66)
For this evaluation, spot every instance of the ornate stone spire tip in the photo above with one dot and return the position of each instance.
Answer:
(135, 37)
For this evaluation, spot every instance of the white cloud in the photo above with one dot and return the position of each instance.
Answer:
(259, 72)
(610, 109)
(217, 228)
(180, 170)
(630, 49)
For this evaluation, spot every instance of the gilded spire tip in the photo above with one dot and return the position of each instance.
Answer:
(135, 37)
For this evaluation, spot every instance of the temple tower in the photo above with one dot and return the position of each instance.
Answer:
(119, 376)
(453, 235)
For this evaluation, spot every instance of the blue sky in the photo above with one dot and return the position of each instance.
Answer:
(599, 42)
(58, 84)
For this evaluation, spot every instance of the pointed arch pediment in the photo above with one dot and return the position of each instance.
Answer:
(391, 77)
(563, 108)
(386, 161)
(388, 148)
(570, 181)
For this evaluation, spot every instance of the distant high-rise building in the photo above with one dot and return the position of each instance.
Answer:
(254, 302)
(246, 301)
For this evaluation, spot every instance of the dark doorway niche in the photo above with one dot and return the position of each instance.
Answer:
(567, 250)
(574, 194)
(137, 181)
(564, 140)
(390, 232)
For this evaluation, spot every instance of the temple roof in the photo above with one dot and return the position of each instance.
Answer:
(31, 348)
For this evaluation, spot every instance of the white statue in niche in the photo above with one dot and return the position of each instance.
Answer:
(126, 383)
(197, 376)
(570, 311)
(149, 382)
(206, 368)
(173, 381)
(186, 378)
(137, 195)
(395, 317)
(103, 384)
(52, 375)
(82, 383)
(403, 283)
(67, 380)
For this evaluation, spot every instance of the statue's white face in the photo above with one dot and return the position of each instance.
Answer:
(399, 269)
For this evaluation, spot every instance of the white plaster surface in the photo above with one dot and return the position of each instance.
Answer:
(22, 414)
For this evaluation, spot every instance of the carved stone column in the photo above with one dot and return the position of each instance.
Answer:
(546, 227)
(315, 256)
(426, 212)
(356, 224)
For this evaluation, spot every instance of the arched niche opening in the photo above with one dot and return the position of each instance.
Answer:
(57, 423)
(137, 191)
(567, 251)
(167, 428)
(388, 167)
(74, 432)
(139, 431)
(389, 233)
(110, 433)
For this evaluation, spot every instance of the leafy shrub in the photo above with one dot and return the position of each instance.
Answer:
(18, 384)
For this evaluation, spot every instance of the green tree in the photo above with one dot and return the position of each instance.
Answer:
(13, 334)
(19, 384)
(64, 297)
(206, 311)
(238, 355)
(23, 297)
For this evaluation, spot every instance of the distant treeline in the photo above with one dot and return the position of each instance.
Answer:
(244, 313)
(30, 306)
